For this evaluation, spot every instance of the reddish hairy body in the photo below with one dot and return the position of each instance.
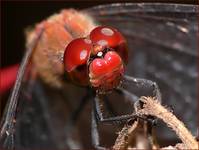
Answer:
(58, 30)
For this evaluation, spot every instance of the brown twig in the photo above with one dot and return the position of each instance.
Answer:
(154, 108)
(124, 136)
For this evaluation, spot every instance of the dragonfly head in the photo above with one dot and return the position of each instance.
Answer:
(97, 60)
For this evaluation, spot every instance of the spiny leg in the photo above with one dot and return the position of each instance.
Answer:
(94, 131)
(134, 99)
(97, 118)
(116, 119)
(141, 85)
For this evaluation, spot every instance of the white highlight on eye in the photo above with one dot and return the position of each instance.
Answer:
(102, 42)
(99, 54)
(107, 31)
(83, 54)
(109, 58)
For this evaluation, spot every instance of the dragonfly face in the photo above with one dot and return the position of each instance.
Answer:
(97, 60)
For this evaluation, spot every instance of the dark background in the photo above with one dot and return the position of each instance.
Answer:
(17, 15)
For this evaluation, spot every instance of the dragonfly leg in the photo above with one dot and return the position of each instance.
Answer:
(94, 132)
(133, 98)
(116, 119)
(142, 85)
(97, 117)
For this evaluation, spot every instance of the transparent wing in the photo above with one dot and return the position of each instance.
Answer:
(9, 117)
(36, 113)
(163, 47)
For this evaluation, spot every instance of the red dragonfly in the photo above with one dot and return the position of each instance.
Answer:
(61, 51)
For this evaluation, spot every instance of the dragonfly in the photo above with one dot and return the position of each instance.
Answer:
(161, 49)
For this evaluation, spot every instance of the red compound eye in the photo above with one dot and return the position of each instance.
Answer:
(103, 35)
(110, 37)
(77, 53)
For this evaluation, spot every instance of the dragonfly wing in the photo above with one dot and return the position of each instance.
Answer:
(162, 47)
(8, 120)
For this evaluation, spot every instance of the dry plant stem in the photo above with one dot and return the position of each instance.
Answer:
(153, 107)
(124, 137)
